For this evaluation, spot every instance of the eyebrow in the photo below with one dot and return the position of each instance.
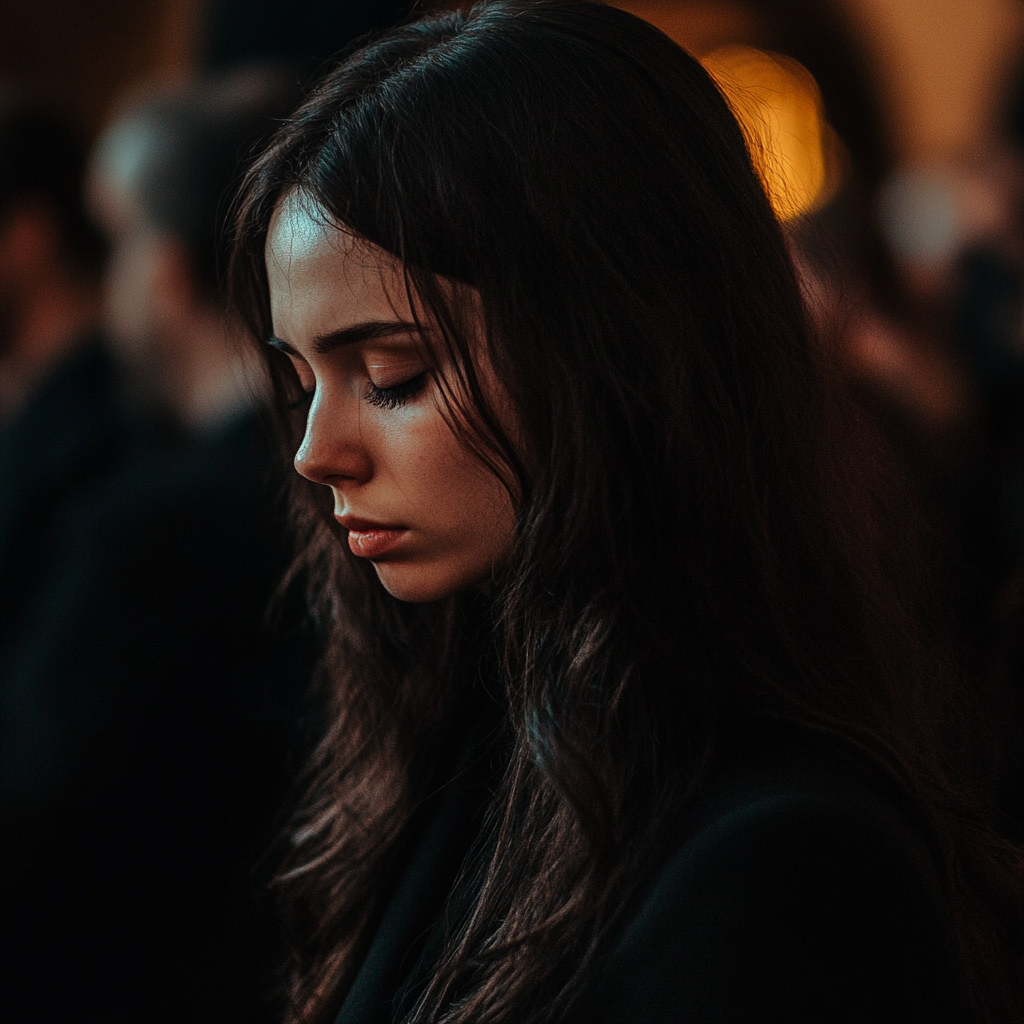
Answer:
(367, 331)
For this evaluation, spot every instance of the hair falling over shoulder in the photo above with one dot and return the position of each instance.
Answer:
(705, 531)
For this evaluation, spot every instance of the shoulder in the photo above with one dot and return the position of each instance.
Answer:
(798, 892)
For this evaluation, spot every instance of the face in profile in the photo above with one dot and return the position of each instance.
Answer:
(416, 503)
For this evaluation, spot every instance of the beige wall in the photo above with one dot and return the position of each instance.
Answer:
(941, 64)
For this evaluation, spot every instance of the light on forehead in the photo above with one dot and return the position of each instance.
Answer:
(300, 226)
(301, 218)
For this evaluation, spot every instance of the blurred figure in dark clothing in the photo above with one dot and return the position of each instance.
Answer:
(957, 229)
(147, 710)
(988, 303)
(919, 279)
(159, 184)
(51, 253)
(58, 421)
(916, 276)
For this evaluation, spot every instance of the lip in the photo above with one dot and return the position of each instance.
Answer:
(371, 540)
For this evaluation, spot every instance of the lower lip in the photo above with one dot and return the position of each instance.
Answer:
(374, 543)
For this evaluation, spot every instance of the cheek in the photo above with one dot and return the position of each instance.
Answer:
(472, 501)
(428, 459)
(410, 457)
(446, 482)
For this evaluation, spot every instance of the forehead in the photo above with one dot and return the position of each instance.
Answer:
(318, 271)
(303, 244)
(299, 229)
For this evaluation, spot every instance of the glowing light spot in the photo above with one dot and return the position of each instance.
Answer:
(778, 105)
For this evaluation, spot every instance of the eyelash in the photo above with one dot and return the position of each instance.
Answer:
(384, 398)
(397, 395)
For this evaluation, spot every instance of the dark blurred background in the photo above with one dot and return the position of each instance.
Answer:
(937, 66)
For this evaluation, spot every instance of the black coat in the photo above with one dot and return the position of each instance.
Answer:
(146, 712)
(796, 891)
(61, 446)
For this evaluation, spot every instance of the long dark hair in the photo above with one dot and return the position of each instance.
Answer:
(698, 537)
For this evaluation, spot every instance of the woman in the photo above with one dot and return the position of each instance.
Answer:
(624, 720)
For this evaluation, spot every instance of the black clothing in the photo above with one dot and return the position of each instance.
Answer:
(437, 841)
(63, 442)
(797, 891)
(800, 893)
(147, 718)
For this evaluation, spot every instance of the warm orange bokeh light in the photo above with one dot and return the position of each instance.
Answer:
(779, 108)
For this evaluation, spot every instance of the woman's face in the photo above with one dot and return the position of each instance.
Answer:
(417, 504)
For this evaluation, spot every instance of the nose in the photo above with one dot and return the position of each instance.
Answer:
(332, 450)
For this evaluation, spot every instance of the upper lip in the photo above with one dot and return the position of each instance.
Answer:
(363, 525)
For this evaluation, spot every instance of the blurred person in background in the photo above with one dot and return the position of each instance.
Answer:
(915, 275)
(148, 704)
(158, 184)
(51, 252)
(59, 425)
(987, 303)
(798, 78)
(956, 231)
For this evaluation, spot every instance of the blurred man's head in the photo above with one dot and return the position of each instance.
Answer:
(50, 255)
(159, 183)
(42, 161)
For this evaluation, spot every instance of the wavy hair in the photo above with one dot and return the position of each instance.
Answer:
(700, 538)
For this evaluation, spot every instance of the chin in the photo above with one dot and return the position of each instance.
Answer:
(420, 584)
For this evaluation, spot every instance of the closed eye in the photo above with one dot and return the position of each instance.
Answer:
(396, 395)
